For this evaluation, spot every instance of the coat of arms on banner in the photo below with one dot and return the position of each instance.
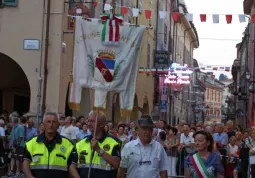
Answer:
(103, 66)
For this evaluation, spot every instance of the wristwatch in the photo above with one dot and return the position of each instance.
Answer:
(101, 152)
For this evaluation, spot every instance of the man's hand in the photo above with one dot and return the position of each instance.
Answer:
(94, 145)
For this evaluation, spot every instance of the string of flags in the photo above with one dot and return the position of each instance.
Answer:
(177, 15)
(202, 68)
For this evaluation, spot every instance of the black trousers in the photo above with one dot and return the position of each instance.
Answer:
(223, 152)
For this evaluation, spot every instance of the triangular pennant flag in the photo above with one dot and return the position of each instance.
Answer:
(95, 4)
(189, 17)
(135, 12)
(253, 18)
(176, 16)
(162, 14)
(124, 10)
(147, 14)
(107, 7)
(241, 18)
(203, 17)
(216, 18)
(229, 19)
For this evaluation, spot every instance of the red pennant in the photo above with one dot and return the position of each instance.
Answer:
(229, 19)
(253, 18)
(176, 16)
(95, 4)
(124, 10)
(147, 14)
(203, 17)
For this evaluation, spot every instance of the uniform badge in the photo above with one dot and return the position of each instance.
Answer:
(63, 149)
(36, 159)
(106, 147)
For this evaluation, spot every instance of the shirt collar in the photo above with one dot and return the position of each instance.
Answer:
(89, 138)
(42, 138)
(138, 142)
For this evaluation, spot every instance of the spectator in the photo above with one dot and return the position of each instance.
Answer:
(41, 129)
(134, 134)
(126, 130)
(17, 145)
(221, 141)
(30, 131)
(172, 144)
(83, 133)
(106, 128)
(193, 129)
(162, 139)
(121, 135)
(132, 126)
(232, 152)
(68, 130)
(230, 131)
(61, 124)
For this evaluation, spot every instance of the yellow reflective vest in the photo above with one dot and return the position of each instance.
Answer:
(55, 160)
(84, 152)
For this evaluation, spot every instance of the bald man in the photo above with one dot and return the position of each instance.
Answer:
(103, 148)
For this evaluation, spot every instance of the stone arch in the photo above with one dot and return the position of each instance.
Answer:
(15, 90)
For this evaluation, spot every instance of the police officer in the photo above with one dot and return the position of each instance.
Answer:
(104, 149)
(50, 155)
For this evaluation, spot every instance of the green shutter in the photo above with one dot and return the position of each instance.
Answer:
(11, 2)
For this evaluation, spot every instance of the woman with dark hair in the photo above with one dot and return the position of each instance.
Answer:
(172, 143)
(204, 162)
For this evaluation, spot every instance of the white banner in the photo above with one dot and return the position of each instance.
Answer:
(105, 68)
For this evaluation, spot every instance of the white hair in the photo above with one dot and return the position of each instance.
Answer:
(50, 114)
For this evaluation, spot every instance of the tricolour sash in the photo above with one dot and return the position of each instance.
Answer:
(199, 166)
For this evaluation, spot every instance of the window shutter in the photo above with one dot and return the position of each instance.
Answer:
(11, 2)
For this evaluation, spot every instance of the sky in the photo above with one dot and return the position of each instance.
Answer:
(213, 51)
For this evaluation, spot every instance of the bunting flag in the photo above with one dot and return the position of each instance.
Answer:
(229, 19)
(216, 18)
(176, 16)
(253, 18)
(203, 17)
(95, 4)
(147, 14)
(124, 10)
(135, 12)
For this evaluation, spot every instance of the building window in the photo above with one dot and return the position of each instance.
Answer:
(11, 2)
(148, 55)
(165, 34)
(215, 96)
(208, 94)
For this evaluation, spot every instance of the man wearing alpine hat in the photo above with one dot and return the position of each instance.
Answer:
(143, 157)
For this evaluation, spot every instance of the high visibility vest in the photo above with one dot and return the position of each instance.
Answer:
(55, 160)
(84, 153)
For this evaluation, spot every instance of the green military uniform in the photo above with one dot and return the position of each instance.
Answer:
(100, 168)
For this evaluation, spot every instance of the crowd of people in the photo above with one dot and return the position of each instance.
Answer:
(207, 150)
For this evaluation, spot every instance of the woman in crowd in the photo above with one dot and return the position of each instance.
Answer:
(172, 144)
(232, 152)
(41, 129)
(106, 128)
(204, 162)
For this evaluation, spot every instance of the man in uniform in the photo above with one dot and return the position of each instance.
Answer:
(50, 155)
(103, 149)
(143, 157)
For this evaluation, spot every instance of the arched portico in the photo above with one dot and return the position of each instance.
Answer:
(15, 90)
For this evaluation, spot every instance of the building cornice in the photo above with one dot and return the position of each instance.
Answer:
(192, 33)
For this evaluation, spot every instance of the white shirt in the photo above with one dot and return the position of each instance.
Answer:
(2, 132)
(68, 132)
(187, 140)
(143, 161)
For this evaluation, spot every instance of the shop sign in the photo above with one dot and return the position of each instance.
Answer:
(31, 44)
(161, 59)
